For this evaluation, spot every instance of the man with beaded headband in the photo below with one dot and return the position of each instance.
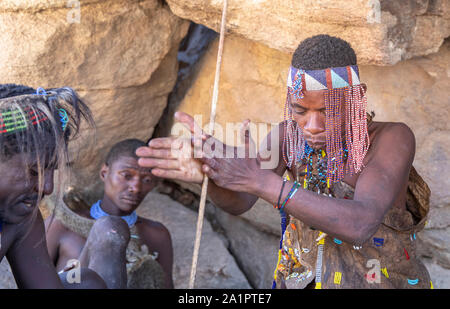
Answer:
(35, 128)
(353, 202)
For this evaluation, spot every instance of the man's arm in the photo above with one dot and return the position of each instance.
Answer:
(236, 202)
(171, 158)
(52, 237)
(377, 188)
(157, 238)
(29, 259)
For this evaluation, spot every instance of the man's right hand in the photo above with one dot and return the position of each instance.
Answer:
(171, 158)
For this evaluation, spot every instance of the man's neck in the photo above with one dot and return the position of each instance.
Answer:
(110, 208)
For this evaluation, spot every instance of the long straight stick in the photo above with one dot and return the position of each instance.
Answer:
(212, 119)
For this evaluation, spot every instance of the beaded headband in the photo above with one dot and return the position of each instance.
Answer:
(344, 100)
(331, 78)
(15, 120)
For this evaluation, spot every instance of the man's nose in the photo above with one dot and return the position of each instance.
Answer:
(134, 186)
(315, 123)
(48, 184)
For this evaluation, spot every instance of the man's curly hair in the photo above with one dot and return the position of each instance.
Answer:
(322, 52)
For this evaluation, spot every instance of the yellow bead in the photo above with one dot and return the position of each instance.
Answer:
(337, 277)
(385, 272)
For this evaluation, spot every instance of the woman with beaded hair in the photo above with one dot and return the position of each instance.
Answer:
(35, 129)
(351, 202)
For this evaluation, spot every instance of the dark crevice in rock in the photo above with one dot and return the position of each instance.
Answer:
(191, 50)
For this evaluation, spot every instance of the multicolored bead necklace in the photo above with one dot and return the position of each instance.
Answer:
(315, 176)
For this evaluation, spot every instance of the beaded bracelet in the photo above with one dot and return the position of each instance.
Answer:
(291, 193)
(281, 192)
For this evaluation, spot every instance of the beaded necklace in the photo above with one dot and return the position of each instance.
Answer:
(97, 212)
(316, 169)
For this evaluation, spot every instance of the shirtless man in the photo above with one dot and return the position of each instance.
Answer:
(125, 186)
(359, 231)
(35, 129)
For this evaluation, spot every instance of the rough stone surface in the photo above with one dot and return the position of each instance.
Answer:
(255, 250)
(381, 32)
(120, 57)
(216, 266)
(414, 91)
(6, 277)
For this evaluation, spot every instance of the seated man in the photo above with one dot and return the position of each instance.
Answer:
(347, 214)
(125, 186)
(35, 128)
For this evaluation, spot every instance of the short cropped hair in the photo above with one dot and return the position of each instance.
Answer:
(125, 148)
(322, 52)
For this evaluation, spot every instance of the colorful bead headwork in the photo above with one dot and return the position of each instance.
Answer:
(15, 119)
(344, 100)
(331, 78)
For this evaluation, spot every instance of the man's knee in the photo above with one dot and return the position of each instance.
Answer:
(111, 229)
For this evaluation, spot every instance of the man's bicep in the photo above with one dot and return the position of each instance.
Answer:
(52, 235)
(30, 261)
(386, 174)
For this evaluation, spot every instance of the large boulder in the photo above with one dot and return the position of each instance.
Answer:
(120, 55)
(381, 31)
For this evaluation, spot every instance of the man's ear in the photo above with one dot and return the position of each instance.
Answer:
(104, 171)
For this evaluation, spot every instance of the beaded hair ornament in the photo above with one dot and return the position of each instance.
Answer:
(344, 100)
(15, 119)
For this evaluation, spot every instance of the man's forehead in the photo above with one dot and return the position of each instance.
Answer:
(316, 97)
(126, 162)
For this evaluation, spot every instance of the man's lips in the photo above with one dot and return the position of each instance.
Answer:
(29, 202)
(131, 200)
(316, 140)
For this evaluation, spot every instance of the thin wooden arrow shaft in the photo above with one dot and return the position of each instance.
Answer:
(201, 209)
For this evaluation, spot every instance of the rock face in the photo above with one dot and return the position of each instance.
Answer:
(382, 32)
(120, 55)
(414, 92)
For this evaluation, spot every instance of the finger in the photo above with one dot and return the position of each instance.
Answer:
(188, 121)
(211, 173)
(166, 142)
(211, 163)
(159, 163)
(161, 153)
(169, 174)
(247, 139)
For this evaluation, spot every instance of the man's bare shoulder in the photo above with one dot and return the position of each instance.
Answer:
(55, 226)
(152, 227)
(391, 132)
(393, 140)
